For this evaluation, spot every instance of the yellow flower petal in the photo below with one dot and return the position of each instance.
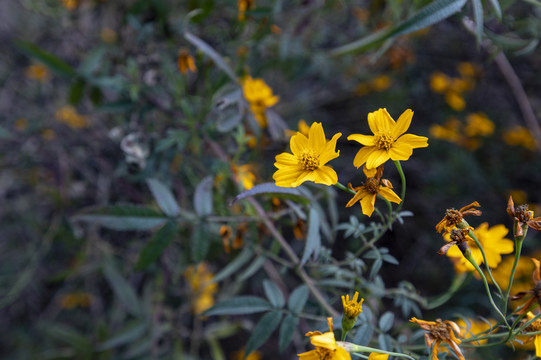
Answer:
(316, 136)
(326, 175)
(537, 343)
(341, 354)
(389, 195)
(298, 142)
(377, 158)
(362, 155)
(400, 151)
(366, 140)
(402, 124)
(309, 355)
(325, 340)
(376, 356)
(328, 152)
(357, 197)
(367, 203)
(287, 159)
(414, 141)
(380, 121)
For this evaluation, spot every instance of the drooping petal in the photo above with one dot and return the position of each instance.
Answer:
(400, 151)
(362, 155)
(325, 340)
(537, 343)
(325, 175)
(316, 137)
(435, 349)
(366, 140)
(389, 195)
(298, 143)
(357, 197)
(309, 355)
(377, 158)
(402, 124)
(367, 203)
(341, 354)
(414, 141)
(286, 159)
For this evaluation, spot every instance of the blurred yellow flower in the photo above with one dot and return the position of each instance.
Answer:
(202, 289)
(475, 327)
(260, 97)
(48, 134)
(388, 141)
(244, 174)
(38, 72)
(108, 35)
(381, 83)
(307, 163)
(303, 128)
(326, 347)
(376, 356)
(239, 355)
(244, 5)
(439, 82)
(493, 242)
(185, 61)
(466, 69)
(69, 116)
(534, 326)
(449, 131)
(21, 124)
(478, 124)
(455, 100)
(70, 4)
(75, 299)
(519, 136)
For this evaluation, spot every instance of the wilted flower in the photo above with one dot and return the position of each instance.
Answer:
(326, 347)
(185, 61)
(441, 331)
(534, 326)
(454, 217)
(523, 217)
(535, 291)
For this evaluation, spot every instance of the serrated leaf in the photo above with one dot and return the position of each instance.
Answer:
(122, 217)
(313, 238)
(274, 294)
(57, 65)
(386, 321)
(122, 289)
(263, 330)
(287, 329)
(273, 190)
(127, 335)
(210, 52)
(239, 261)
(200, 242)
(239, 305)
(164, 197)
(156, 245)
(203, 197)
(298, 299)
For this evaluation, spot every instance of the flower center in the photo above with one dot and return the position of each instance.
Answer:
(384, 140)
(308, 160)
(440, 330)
(372, 185)
(324, 353)
(523, 214)
(453, 216)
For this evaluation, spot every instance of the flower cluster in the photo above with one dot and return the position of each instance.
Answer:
(469, 134)
(453, 88)
(259, 96)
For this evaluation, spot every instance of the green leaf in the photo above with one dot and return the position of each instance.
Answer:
(497, 9)
(122, 217)
(92, 62)
(287, 329)
(250, 270)
(298, 299)
(430, 14)
(239, 261)
(202, 201)
(478, 18)
(313, 238)
(164, 197)
(274, 294)
(122, 289)
(211, 53)
(156, 245)
(263, 330)
(76, 91)
(239, 305)
(54, 63)
(69, 335)
(386, 321)
(364, 334)
(127, 335)
(200, 242)
(272, 189)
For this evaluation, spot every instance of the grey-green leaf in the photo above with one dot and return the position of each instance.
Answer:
(127, 335)
(386, 321)
(122, 289)
(287, 329)
(274, 294)
(156, 245)
(54, 63)
(239, 305)
(263, 330)
(122, 217)
(271, 189)
(313, 238)
(200, 242)
(298, 299)
(210, 52)
(164, 197)
(234, 265)
(203, 197)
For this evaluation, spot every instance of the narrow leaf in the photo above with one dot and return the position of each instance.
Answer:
(274, 294)
(313, 238)
(298, 299)
(52, 61)
(164, 197)
(122, 289)
(478, 17)
(210, 52)
(239, 305)
(497, 9)
(271, 189)
(386, 321)
(156, 245)
(203, 197)
(69, 335)
(263, 330)
(239, 261)
(127, 335)
(200, 242)
(287, 329)
(250, 270)
(122, 217)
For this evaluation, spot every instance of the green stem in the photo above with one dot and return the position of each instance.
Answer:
(344, 188)
(403, 181)
(468, 256)
(518, 249)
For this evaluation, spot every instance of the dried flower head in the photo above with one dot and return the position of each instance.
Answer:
(522, 217)
(454, 217)
(457, 237)
(441, 331)
(535, 291)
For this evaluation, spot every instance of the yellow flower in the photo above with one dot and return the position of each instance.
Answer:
(381, 83)
(478, 124)
(69, 116)
(244, 175)
(388, 141)
(534, 326)
(455, 100)
(523, 274)
(475, 327)
(439, 82)
(73, 300)
(303, 128)
(494, 243)
(70, 4)
(352, 308)
(373, 186)
(202, 289)
(244, 5)
(239, 355)
(519, 136)
(21, 124)
(440, 331)
(108, 35)
(185, 62)
(37, 72)
(307, 163)
(536, 296)
(326, 347)
(376, 356)
(260, 97)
